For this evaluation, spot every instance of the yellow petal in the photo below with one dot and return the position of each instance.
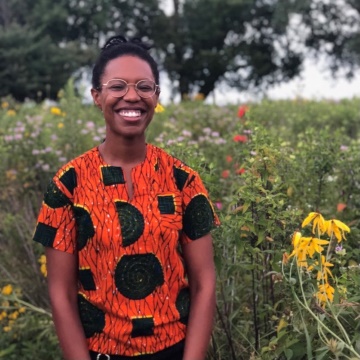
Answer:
(159, 108)
(341, 225)
(319, 223)
(309, 218)
(296, 239)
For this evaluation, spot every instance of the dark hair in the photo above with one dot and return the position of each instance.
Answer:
(118, 46)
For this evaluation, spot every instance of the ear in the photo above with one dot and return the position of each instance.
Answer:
(96, 97)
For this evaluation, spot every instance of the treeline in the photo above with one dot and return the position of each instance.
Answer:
(247, 43)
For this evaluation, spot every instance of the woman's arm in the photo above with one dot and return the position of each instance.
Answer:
(62, 271)
(200, 267)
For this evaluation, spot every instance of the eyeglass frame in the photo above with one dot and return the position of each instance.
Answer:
(157, 87)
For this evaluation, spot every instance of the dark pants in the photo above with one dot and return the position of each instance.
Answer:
(174, 352)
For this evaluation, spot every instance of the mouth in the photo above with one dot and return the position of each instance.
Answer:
(130, 114)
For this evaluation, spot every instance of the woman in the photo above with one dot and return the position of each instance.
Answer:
(112, 221)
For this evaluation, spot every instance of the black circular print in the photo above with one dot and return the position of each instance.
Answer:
(131, 222)
(183, 305)
(198, 217)
(92, 318)
(137, 276)
(85, 227)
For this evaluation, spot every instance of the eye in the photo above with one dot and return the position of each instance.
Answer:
(118, 86)
(145, 86)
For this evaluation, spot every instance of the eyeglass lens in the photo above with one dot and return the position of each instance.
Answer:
(144, 88)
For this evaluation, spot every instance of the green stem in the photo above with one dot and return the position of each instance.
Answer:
(27, 305)
(306, 307)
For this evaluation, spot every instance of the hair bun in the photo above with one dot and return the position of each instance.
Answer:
(120, 40)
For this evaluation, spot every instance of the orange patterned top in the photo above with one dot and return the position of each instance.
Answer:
(133, 293)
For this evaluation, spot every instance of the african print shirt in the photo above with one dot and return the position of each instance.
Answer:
(133, 294)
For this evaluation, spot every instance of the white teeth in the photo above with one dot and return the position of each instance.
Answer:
(130, 113)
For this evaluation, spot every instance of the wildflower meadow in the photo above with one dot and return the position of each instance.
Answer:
(284, 177)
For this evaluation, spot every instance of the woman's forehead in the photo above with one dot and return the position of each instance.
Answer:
(127, 67)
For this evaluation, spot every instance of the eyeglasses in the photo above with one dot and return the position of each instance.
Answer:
(119, 88)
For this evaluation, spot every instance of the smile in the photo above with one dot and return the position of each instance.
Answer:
(130, 113)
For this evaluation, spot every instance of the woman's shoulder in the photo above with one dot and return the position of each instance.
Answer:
(80, 161)
(168, 159)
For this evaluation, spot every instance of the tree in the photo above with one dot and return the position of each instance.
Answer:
(43, 43)
(33, 62)
(332, 28)
(243, 42)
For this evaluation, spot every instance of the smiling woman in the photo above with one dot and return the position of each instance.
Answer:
(112, 222)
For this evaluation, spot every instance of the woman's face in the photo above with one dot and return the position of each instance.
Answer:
(128, 116)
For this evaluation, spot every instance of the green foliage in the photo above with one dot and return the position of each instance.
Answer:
(32, 65)
(265, 172)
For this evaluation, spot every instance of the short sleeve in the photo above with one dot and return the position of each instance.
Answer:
(199, 217)
(56, 222)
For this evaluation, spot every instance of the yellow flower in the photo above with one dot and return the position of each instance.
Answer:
(5, 105)
(7, 290)
(300, 250)
(55, 111)
(14, 315)
(6, 328)
(315, 246)
(159, 108)
(324, 270)
(43, 270)
(325, 293)
(3, 315)
(11, 112)
(60, 125)
(22, 310)
(319, 222)
(336, 228)
(42, 259)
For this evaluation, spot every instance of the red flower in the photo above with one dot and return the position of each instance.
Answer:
(228, 158)
(225, 174)
(240, 171)
(341, 207)
(240, 138)
(242, 111)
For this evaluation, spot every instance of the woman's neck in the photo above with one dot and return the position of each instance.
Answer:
(123, 153)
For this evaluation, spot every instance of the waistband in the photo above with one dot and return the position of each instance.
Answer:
(172, 352)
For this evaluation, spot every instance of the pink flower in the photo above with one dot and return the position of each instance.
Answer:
(219, 205)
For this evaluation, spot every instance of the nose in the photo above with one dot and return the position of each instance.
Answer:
(131, 94)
